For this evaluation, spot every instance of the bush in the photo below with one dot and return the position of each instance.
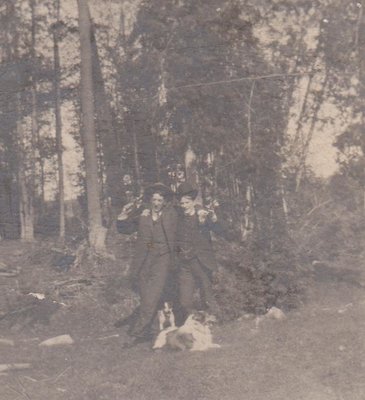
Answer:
(246, 283)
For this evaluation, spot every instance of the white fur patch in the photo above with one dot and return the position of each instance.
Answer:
(199, 331)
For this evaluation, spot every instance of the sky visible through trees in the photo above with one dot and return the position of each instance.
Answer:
(257, 93)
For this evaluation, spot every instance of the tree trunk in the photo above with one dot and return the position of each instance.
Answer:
(27, 152)
(137, 167)
(26, 210)
(360, 46)
(247, 224)
(191, 170)
(105, 123)
(58, 120)
(97, 232)
(191, 173)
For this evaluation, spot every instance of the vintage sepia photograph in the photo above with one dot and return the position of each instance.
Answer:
(182, 200)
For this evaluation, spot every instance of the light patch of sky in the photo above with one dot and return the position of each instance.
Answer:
(72, 155)
(322, 154)
(50, 183)
(68, 9)
(107, 13)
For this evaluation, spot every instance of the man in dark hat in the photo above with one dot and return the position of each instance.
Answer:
(153, 258)
(194, 249)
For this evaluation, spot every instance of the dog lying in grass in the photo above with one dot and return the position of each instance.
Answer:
(194, 335)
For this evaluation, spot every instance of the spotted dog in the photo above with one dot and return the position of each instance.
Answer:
(166, 317)
(194, 335)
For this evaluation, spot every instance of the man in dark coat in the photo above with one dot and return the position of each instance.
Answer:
(194, 250)
(153, 258)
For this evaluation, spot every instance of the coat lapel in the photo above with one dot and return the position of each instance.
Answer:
(149, 224)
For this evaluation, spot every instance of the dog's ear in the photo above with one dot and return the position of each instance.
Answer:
(167, 306)
(200, 316)
(210, 319)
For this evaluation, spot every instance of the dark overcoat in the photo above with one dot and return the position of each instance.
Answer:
(202, 240)
(147, 244)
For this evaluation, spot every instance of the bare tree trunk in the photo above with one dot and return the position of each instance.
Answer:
(27, 181)
(105, 124)
(247, 224)
(57, 102)
(26, 211)
(137, 167)
(191, 170)
(97, 232)
(191, 173)
(360, 46)
(42, 180)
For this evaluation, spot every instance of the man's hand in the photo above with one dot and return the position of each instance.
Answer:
(126, 210)
(213, 216)
(202, 215)
(146, 213)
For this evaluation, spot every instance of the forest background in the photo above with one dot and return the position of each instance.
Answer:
(259, 103)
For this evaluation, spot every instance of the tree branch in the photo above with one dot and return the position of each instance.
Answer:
(244, 78)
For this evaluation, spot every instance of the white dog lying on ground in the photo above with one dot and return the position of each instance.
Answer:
(194, 335)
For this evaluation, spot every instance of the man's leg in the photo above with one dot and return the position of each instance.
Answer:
(201, 273)
(152, 282)
(186, 291)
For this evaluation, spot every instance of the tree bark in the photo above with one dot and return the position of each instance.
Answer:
(58, 121)
(27, 153)
(191, 173)
(360, 47)
(105, 123)
(137, 166)
(247, 224)
(26, 211)
(97, 232)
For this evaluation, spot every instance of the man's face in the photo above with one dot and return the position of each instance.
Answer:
(187, 204)
(127, 180)
(157, 202)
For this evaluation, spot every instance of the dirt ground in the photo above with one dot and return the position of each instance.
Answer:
(316, 353)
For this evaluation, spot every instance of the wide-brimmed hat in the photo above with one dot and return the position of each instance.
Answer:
(160, 188)
(186, 189)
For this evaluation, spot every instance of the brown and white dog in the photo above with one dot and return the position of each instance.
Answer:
(194, 335)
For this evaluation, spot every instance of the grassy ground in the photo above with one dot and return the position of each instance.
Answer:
(316, 353)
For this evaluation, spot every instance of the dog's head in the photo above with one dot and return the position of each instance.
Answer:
(203, 318)
(167, 309)
(166, 316)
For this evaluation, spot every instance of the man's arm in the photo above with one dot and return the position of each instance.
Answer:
(127, 221)
(215, 225)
